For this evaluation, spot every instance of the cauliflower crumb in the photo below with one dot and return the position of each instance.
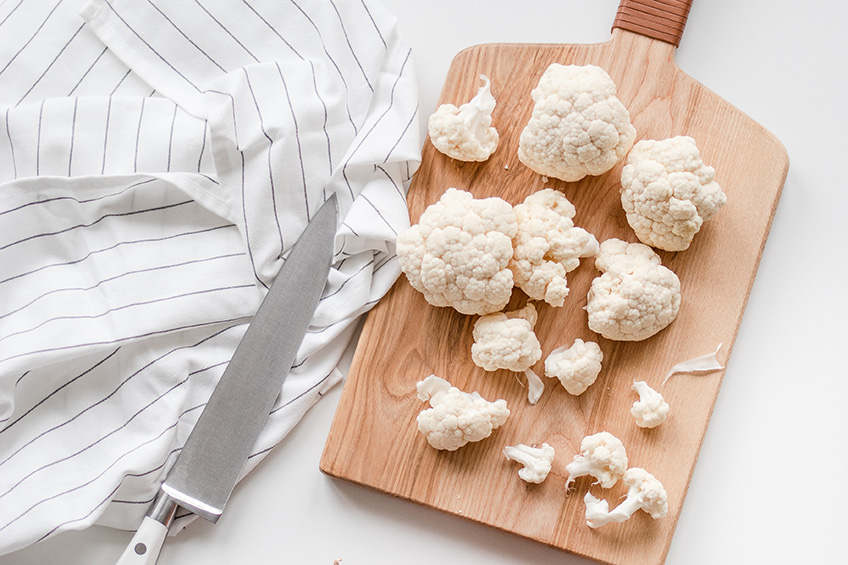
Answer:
(536, 461)
(635, 296)
(548, 245)
(576, 367)
(578, 127)
(466, 133)
(506, 340)
(456, 417)
(668, 192)
(651, 409)
(458, 253)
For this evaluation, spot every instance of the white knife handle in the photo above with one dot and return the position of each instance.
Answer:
(146, 544)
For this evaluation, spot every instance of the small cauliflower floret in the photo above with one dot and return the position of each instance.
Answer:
(456, 417)
(667, 192)
(651, 409)
(635, 297)
(506, 340)
(645, 493)
(547, 246)
(536, 461)
(602, 455)
(458, 252)
(578, 126)
(576, 367)
(466, 133)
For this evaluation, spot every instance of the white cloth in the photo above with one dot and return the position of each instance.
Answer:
(156, 160)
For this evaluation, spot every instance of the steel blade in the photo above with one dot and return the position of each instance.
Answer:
(214, 455)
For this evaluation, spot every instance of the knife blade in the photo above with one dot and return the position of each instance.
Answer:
(206, 470)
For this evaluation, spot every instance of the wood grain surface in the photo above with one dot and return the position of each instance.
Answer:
(374, 440)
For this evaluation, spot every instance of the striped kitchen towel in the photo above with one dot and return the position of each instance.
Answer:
(157, 159)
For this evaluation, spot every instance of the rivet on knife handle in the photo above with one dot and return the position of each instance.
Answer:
(147, 542)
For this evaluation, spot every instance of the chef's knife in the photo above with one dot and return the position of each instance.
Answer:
(205, 472)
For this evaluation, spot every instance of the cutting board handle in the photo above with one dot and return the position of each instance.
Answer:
(658, 19)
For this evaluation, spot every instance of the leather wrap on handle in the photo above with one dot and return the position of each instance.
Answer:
(658, 19)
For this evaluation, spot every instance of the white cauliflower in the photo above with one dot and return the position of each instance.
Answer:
(576, 367)
(506, 340)
(646, 493)
(536, 461)
(456, 417)
(602, 455)
(651, 409)
(466, 133)
(635, 296)
(667, 192)
(457, 255)
(578, 126)
(547, 246)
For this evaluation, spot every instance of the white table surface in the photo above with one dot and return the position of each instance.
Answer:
(771, 483)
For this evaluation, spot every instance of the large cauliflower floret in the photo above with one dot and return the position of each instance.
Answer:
(602, 455)
(456, 417)
(466, 133)
(635, 297)
(457, 255)
(578, 126)
(667, 192)
(506, 340)
(547, 246)
(576, 367)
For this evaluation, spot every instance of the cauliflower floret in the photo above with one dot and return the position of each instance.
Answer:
(645, 493)
(576, 367)
(603, 456)
(578, 126)
(457, 254)
(635, 297)
(506, 340)
(466, 133)
(547, 246)
(667, 192)
(536, 461)
(456, 417)
(651, 409)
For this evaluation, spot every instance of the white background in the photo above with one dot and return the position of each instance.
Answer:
(771, 484)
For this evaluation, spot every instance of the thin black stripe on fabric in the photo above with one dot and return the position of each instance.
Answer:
(186, 37)
(50, 66)
(11, 146)
(12, 11)
(150, 47)
(333, 63)
(56, 391)
(98, 220)
(114, 246)
(227, 31)
(352, 51)
(273, 190)
(159, 300)
(121, 340)
(73, 135)
(34, 35)
(297, 139)
(85, 74)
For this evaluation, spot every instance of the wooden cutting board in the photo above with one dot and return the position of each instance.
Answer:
(374, 440)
